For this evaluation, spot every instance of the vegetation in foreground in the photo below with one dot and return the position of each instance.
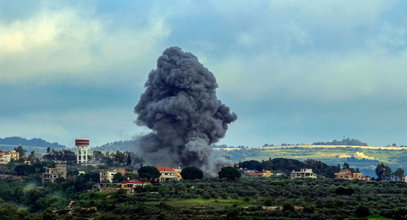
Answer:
(244, 198)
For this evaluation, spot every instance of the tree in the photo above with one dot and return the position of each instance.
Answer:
(387, 173)
(229, 173)
(252, 165)
(24, 169)
(117, 178)
(149, 172)
(191, 173)
(362, 211)
(20, 151)
(346, 166)
(128, 162)
(344, 191)
(383, 172)
(399, 174)
(379, 171)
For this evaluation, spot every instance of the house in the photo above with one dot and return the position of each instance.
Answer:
(168, 174)
(346, 174)
(303, 174)
(107, 176)
(258, 174)
(6, 157)
(404, 178)
(130, 185)
(178, 171)
(125, 171)
(266, 173)
(51, 174)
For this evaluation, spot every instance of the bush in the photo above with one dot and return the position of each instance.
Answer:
(288, 207)
(268, 202)
(362, 211)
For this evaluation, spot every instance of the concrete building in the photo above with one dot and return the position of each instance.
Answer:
(51, 174)
(82, 155)
(168, 174)
(303, 174)
(125, 171)
(265, 173)
(346, 174)
(130, 185)
(107, 176)
(6, 157)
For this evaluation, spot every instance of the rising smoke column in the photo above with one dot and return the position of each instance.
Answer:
(181, 107)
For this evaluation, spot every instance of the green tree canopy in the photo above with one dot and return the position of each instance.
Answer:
(21, 151)
(149, 172)
(252, 165)
(229, 173)
(117, 178)
(191, 173)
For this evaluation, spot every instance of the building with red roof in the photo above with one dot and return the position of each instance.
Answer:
(168, 174)
(6, 157)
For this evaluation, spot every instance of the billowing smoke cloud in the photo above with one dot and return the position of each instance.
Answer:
(181, 107)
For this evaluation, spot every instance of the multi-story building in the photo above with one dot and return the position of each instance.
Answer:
(107, 176)
(130, 185)
(6, 157)
(168, 174)
(265, 173)
(346, 174)
(51, 174)
(125, 171)
(303, 174)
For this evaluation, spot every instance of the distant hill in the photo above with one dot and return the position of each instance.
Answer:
(344, 141)
(128, 145)
(35, 142)
(364, 157)
(287, 165)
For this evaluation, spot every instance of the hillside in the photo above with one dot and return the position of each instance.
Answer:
(36, 144)
(118, 146)
(364, 157)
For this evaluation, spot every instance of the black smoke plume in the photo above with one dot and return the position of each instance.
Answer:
(181, 107)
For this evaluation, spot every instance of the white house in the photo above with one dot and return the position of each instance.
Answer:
(303, 174)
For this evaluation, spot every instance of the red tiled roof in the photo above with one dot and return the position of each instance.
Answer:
(164, 169)
(255, 174)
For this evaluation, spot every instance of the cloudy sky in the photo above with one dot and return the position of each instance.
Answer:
(293, 71)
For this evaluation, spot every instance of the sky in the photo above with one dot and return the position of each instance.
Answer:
(293, 71)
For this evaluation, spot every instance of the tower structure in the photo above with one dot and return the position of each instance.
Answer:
(83, 147)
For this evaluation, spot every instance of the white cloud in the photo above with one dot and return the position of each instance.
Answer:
(59, 43)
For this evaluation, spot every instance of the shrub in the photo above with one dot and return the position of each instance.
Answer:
(362, 211)
(288, 207)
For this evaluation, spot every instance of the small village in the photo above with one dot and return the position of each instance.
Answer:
(127, 177)
(95, 183)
